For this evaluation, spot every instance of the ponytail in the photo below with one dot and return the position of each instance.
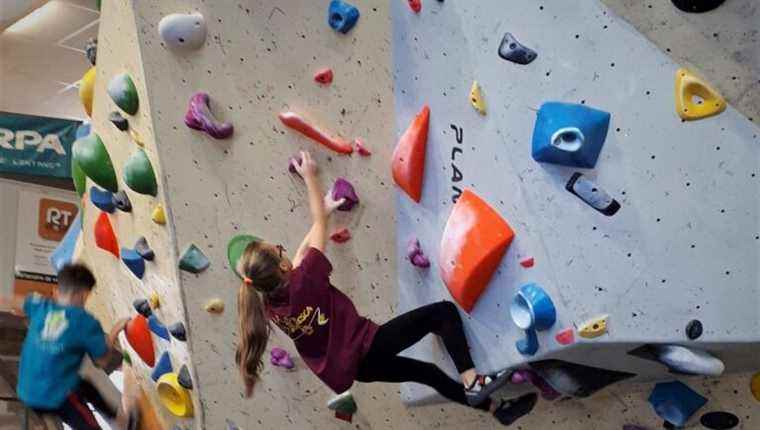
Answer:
(262, 273)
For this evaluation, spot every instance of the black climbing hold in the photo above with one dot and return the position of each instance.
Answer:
(119, 121)
(719, 420)
(668, 425)
(577, 380)
(694, 329)
(514, 51)
(91, 50)
(102, 199)
(178, 331)
(142, 306)
(184, 378)
(592, 194)
(142, 248)
(121, 201)
(697, 6)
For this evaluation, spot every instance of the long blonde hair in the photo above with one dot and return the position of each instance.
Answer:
(261, 270)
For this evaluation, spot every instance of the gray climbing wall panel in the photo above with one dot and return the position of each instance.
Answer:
(685, 243)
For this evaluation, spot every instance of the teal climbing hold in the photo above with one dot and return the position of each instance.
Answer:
(92, 157)
(133, 261)
(102, 199)
(163, 367)
(123, 92)
(157, 327)
(193, 260)
(79, 178)
(139, 175)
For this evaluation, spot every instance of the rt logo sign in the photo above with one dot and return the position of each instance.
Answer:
(55, 218)
(22, 139)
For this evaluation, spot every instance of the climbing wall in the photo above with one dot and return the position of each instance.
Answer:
(684, 245)
(258, 59)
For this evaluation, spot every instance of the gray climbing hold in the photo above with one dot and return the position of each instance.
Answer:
(91, 50)
(184, 378)
(142, 306)
(142, 248)
(193, 260)
(694, 329)
(121, 201)
(514, 51)
(183, 31)
(119, 121)
(592, 194)
(577, 380)
(178, 331)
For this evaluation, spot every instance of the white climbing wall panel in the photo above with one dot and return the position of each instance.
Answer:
(685, 243)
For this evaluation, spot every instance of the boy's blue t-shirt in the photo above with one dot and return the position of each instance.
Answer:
(55, 344)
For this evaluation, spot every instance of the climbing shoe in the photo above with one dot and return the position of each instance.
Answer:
(510, 411)
(483, 386)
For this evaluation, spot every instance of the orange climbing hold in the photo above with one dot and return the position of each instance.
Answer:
(299, 124)
(105, 238)
(409, 156)
(140, 339)
(474, 241)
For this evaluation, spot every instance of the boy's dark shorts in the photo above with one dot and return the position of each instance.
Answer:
(75, 412)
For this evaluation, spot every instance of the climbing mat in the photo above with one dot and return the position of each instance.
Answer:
(683, 245)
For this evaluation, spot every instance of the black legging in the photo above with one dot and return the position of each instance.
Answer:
(383, 364)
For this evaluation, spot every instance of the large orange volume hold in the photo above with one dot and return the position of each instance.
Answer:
(140, 339)
(409, 156)
(473, 243)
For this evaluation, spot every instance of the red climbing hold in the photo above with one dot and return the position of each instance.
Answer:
(528, 262)
(565, 337)
(105, 238)
(299, 124)
(140, 339)
(360, 148)
(408, 163)
(324, 76)
(474, 241)
(341, 236)
(415, 5)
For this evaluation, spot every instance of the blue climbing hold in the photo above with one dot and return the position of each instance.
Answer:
(342, 16)
(529, 345)
(569, 134)
(102, 199)
(64, 252)
(158, 327)
(675, 402)
(133, 261)
(163, 367)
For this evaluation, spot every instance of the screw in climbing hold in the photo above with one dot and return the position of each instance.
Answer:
(199, 117)
(415, 5)
(476, 98)
(341, 236)
(122, 202)
(342, 16)
(324, 76)
(178, 331)
(142, 306)
(193, 260)
(512, 50)
(592, 194)
(415, 254)
(342, 189)
(214, 306)
(694, 329)
(183, 31)
(119, 121)
(361, 147)
(183, 377)
(142, 248)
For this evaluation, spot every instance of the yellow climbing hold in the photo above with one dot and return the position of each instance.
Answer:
(755, 386)
(159, 216)
(593, 328)
(86, 88)
(136, 137)
(173, 396)
(155, 302)
(476, 98)
(689, 87)
(214, 306)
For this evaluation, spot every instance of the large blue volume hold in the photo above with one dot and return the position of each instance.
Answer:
(342, 16)
(569, 134)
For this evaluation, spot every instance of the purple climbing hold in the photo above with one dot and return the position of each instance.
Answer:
(292, 162)
(281, 358)
(102, 199)
(415, 254)
(522, 376)
(342, 189)
(199, 117)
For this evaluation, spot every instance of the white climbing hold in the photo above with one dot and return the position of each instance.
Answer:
(183, 31)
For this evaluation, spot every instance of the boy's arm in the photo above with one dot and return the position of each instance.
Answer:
(12, 304)
(107, 359)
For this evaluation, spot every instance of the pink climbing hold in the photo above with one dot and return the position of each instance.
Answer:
(415, 254)
(324, 76)
(342, 189)
(341, 236)
(299, 124)
(280, 358)
(528, 262)
(565, 337)
(415, 5)
(293, 162)
(199, 117)
(521, 376)
(360, 148)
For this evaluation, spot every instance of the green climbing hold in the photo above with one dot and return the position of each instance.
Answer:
(235, 249)
(139, 175)
(92, 157)
(79, 177)
(123, 92)
(343, 403)
(127, 359)
(193, 260)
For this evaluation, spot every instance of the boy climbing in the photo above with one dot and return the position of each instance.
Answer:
(60, 333)
(338, 344)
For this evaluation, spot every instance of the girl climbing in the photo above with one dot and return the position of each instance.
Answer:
(338, 344)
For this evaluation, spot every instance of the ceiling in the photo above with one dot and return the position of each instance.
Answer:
(42, 55)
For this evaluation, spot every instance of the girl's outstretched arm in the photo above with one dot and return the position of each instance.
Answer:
(330, 205)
